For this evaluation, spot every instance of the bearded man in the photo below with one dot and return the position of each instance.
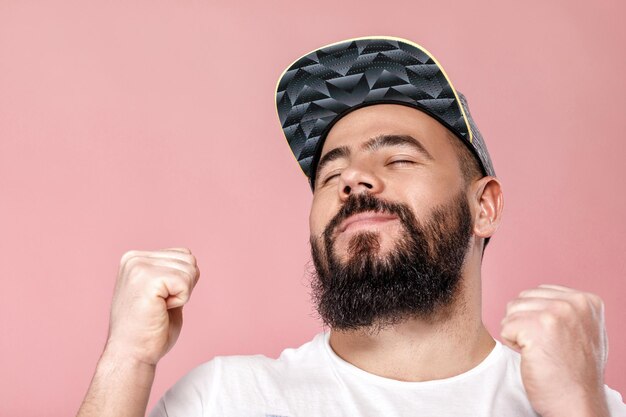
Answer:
(405, 200)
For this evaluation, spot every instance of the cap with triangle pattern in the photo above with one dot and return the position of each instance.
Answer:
(324, 85)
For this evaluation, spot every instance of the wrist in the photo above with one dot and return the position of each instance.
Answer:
(121, 386)
(124, 358)
(590, 403)
(127, 368)
(594, 407)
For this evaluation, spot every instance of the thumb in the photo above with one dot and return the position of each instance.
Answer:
(176, 317)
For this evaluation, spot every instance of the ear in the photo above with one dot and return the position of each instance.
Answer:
(488, 202)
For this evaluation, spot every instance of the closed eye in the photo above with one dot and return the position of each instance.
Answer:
(330, 177)
(401, 162)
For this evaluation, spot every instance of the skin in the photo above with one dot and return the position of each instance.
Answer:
(401, 352)
(558, 331)
(151, 290)
(542, 324)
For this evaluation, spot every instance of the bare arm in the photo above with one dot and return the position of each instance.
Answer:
(120, 387)
(146, 318)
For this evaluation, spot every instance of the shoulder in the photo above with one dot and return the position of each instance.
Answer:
(240, 376)
(190, 394)
(290, 361)
(511, 361)
(222, 366)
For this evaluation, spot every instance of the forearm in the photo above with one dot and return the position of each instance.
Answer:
(593, 407)
(120, 387)
(586, 404)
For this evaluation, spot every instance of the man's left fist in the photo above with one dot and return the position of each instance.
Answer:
(561, 337)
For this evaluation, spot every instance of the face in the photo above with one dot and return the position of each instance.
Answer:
(390, 220)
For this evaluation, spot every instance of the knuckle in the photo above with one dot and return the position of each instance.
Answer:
(597, 301)
(188, 277)
(190, 259)
(580, 299)
(133, 263)
(184, 259)
(185, 274)
(127, 255)
(547, 320)
(510, 305)
(601, 305)
(562, 307)
(583, 302)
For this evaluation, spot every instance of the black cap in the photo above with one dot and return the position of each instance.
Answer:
(326, 84)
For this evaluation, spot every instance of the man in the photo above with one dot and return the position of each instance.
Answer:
(405, 200)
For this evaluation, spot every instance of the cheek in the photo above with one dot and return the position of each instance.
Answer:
(430, 191)
(319, 216)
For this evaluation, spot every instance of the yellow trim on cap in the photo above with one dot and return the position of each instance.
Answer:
(391, 38)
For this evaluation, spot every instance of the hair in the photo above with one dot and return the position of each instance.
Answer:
(470, 168)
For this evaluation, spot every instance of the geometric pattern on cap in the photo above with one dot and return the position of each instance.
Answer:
(322, 85)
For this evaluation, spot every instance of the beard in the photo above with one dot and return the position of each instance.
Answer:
(419, 277)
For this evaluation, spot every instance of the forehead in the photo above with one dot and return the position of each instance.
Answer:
(365, 123)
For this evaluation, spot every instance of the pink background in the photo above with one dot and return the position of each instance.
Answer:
(153, 125)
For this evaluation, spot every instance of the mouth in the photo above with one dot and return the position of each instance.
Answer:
(365, 219)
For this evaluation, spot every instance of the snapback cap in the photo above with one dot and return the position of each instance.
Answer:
(320, 87)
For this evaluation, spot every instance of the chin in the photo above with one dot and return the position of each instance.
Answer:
(370, 243)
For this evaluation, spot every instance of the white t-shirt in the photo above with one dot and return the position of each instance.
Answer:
(312, 381)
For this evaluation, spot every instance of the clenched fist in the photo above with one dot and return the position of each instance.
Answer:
(147, 309)
(561, 336)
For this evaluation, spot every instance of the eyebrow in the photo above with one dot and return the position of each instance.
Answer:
(374, 144)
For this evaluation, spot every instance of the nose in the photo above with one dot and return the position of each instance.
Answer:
(354, 180)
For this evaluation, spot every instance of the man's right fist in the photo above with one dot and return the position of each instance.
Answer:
(147, 308)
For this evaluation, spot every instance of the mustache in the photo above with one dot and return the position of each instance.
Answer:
(363, 202)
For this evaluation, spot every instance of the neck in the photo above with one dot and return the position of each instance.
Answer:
(421, 350)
